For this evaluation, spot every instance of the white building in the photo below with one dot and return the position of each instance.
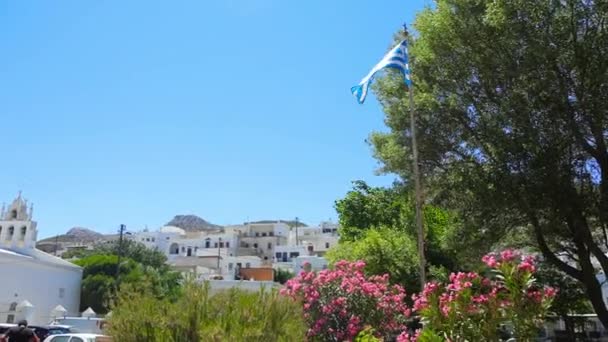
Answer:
(316, 263)
(33, 283)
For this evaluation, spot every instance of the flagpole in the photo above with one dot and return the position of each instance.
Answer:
(417, 186)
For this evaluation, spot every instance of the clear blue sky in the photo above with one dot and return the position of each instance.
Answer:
(134, 111)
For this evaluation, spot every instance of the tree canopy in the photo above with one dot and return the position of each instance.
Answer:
(377, 225)
(512, 124)
(140, 268)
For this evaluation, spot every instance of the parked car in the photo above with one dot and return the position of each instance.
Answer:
(76, 338)
(44, 331)
(5, 326)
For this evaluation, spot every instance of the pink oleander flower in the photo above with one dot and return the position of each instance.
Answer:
(490, 260)
(550, 292)
(508, 255)
(338, 303)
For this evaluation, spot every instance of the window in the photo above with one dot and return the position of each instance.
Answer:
(61, 339)
(246, 245)
(294, 254)
(153, 239)
(265, 258)
(174, 249)
(247, 265)
(230, 266)
(189, 253)
(327, 245)
(263, 234)
(13, 306)
(278, 255)
(221, 245)
(207, 244)
(257, 234)
(310, 248)
(183, 249)
(270, 245)
(167, 238)
(14, 214)
(147, 239)
(61, 292)
(10, 319)
(271, 234)
(255, 245)
(11, 231)
(215, 245)
(196, 249)
(0, 230)
(76, 339)
(227, 244)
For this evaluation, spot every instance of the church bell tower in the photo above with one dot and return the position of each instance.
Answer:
(17, 230)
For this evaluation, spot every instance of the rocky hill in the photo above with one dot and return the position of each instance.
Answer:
(192, 223)
(76, 234)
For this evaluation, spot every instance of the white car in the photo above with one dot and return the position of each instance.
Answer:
(73, 338)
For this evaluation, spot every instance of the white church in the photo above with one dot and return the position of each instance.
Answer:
(33, 285)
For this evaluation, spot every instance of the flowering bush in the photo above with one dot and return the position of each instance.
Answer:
(340, 303)
(472, 307)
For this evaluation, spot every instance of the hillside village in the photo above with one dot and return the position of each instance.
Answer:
(223, 255)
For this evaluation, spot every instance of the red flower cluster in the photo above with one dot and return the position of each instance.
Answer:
(470, 306)
(339, 303)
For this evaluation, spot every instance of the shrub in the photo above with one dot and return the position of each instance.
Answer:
(233, 315)
(472, 307)
(338, 304)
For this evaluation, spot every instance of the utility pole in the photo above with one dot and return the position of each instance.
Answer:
(121, 232)
(218, 256)
(56, 244)
(297, 231)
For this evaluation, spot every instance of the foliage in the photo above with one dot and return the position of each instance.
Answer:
(140, 267)
(338, 304)
(510, 101)
(384, 251)
(366, 207)
(197, 315)
(378, 227)
(135, 251)
(281, 276)
(570, 299)
(471, 306)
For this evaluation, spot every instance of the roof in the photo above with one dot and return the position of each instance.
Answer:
(35, 255)
(172, 229)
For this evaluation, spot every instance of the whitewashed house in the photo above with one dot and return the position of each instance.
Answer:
(32, 283)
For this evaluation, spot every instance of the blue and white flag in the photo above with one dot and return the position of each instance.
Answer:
(396, 58)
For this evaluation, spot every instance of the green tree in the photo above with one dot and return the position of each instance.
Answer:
(281, 276)
(367, 208)
(513, 120)
(384, 250)
(570, 298)
(139, 268)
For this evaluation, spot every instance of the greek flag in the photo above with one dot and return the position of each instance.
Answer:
(396, 58)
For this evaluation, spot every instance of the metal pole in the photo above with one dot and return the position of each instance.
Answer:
(218, 255)
(417, 186)
(121, 231)
(296, 231)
